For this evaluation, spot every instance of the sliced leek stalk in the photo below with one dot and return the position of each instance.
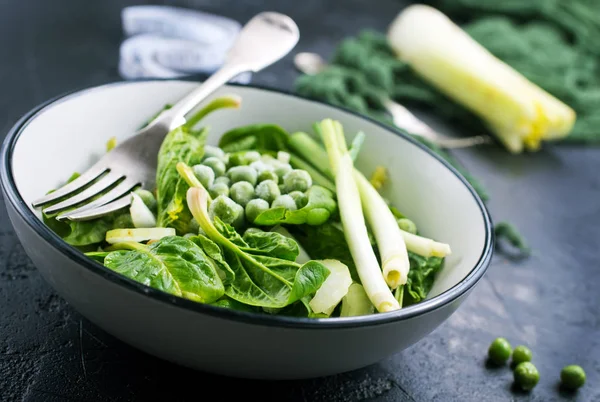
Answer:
(333, 290)
(519, 113)
(137, 235)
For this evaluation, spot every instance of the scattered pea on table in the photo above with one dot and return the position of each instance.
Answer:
(499, 351)
(572, 377)
(521, 354)
(526, 376)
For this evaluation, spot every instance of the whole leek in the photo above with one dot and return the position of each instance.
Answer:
(518, 112)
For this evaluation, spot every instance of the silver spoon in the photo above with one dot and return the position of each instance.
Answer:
(312, 63)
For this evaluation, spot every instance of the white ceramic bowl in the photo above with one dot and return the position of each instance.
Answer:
(68, 133)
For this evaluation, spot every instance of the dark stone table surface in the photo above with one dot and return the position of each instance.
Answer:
(550, 302)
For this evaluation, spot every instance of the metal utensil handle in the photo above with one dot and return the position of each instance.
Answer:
(266, 38)
(175, 116)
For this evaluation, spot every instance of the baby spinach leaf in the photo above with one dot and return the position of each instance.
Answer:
(83, 234)
(253, 279)
(178, 146)
(300, 308)
(267, 281)
(174, 264)
(420, 277)
(98, 255)
(258, 242)
(227, 302)
(261, 137)
(272, 244)
(320, 207)
(324, 242)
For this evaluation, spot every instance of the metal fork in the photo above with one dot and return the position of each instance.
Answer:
(265, 39)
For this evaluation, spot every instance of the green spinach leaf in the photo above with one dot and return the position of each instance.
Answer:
(174, 264)
(420, 277)
(320, 207)
(261, 137)
(272, 244)
(178, 146)
(253, 279)
(85, 234)
(227, 302)
(258, 242)
(324, 242)
(267, 281)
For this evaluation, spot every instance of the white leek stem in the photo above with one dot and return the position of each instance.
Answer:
(388, 235)
(355, 229)
(520, 113)
(424, 246)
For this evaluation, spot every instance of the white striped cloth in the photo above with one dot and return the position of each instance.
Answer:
(171, 42)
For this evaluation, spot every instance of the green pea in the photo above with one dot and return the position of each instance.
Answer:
(236, 159)
(407, 225)
(521, 354)
(242, 192)
(267, 175)
(216, 164)
(282, 169)
(317, 216)
(148, 198)
(572, 377)
(284, 201)
(223, 179)
(283, 157)
(261, 166)
(254, 208)
(499, 351)
(297, 180)
(242, 173)
(204, 174)
(299, 198)
(218, 189)
(211, 151)
(526, 376)
(227, 210)
(252, 156)
(267, 190)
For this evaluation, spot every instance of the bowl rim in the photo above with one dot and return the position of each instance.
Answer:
(13, 196)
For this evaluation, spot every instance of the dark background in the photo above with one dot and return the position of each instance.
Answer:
(550, 302)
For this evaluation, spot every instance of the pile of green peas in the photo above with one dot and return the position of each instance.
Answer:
(245, 184)
(525, 374)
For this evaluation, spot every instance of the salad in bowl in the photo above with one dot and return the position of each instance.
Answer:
(267, 221)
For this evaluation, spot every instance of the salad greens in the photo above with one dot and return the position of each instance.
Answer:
(173, 264)
(256, 276)
(183, 144)
(268, 222)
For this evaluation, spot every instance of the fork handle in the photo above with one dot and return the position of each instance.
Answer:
(175, 116)
(266, 38)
